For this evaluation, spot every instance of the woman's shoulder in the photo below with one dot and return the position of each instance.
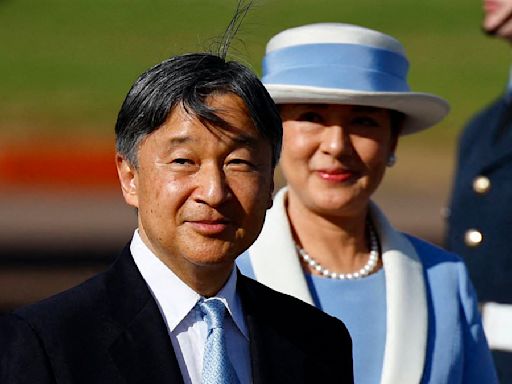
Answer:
(431, 254)
(446, 277)
(443, 269)
(438, 262)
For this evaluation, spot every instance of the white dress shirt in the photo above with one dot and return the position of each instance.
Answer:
(186, 327)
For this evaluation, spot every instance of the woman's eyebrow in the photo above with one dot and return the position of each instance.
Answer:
(366, 109)
(316, 106)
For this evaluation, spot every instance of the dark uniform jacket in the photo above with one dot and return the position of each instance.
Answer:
(480, 214)
(110, 330)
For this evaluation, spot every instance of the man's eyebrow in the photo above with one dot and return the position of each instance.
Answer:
(242, 139)
(246, 140)
(178, 140)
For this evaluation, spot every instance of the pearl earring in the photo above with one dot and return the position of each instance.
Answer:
(391, 160)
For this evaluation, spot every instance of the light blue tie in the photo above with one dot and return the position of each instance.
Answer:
(217, 368)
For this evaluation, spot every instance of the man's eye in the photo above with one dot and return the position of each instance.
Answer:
(311, 117)
(241, 163)
(181, 161)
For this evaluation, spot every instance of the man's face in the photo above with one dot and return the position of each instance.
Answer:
(201, 192)
(498, 18)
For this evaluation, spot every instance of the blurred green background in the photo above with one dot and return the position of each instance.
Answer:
(67, 64)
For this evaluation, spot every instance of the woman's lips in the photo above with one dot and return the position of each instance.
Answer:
(335, 176)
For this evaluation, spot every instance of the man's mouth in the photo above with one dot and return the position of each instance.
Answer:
(209, 227)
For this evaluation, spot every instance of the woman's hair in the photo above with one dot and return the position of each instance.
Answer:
(397, 122)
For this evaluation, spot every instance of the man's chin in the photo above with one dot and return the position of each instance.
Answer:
(213, 259)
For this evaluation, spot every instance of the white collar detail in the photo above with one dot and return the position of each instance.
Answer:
(406, 338)
(175, 298)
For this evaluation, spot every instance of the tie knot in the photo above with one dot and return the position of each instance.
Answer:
(213, 310)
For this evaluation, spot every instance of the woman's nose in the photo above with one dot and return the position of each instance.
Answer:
(335, 140)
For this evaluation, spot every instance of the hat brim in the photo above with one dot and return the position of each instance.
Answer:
(421, 110)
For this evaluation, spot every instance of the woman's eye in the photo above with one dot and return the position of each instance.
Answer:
(365, 121)
(311, 117)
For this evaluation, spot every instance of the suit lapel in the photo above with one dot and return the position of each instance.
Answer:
(274, 359)
(143, 351)
(406, 297)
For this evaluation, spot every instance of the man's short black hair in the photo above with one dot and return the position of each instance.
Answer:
(188, 80)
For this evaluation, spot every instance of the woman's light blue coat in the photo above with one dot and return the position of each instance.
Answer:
(434, 331)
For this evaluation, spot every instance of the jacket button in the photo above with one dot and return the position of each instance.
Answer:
(481, 184)
(473, 238)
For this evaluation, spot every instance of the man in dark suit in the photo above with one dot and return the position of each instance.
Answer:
(480, 215)
(197, 141)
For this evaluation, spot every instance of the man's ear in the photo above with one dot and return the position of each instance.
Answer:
(128, 178)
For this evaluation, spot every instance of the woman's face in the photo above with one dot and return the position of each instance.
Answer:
(334, 156)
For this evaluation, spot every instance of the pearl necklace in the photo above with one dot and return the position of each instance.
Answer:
(363, 272)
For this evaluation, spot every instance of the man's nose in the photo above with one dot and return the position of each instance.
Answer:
(212, 187)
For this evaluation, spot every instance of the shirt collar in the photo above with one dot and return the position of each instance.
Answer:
(174, 307)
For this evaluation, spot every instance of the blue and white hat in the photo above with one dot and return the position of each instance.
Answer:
(346, 64)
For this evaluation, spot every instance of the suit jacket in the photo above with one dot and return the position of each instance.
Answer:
(110, 330)
(434, 333)
(485, 149)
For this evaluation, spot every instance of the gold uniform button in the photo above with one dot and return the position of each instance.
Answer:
(481, 184)
(473, 238)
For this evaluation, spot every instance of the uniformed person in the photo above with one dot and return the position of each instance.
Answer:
(480, 214)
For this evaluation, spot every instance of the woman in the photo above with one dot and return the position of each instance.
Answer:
(409, 306)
